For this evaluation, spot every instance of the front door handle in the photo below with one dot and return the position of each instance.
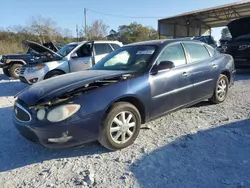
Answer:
(185, 74)
(214, 66)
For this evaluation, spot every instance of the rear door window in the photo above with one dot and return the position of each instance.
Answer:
(211, 50)
(197, 52)
(103, 48)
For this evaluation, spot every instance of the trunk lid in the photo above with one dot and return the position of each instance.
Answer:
(239, 27)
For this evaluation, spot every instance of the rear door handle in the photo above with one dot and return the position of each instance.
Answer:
(185, 74)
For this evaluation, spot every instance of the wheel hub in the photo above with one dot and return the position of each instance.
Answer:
(222, 89)
(122, 127)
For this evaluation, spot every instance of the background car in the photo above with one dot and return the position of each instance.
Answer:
(130, 86)
(206, 39)
(73, 57)
(12, 63)
(239, 45)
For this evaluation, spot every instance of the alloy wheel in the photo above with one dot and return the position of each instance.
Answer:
(123, 127)
(222, 89)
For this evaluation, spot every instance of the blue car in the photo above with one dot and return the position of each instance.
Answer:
(131, 86)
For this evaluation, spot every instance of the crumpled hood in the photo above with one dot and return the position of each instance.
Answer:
(239, 27)
(47, 90)
(40, 48)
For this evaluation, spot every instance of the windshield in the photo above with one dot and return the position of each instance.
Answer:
(133, 58)
(66, 49)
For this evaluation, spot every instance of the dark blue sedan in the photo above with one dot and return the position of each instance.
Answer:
(129, 87)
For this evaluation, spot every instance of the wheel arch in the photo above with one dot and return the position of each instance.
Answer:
(227, 74)
(53, 71)
(16, 61)
(134, 100)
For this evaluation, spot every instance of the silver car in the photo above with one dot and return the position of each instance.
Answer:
(73, 57)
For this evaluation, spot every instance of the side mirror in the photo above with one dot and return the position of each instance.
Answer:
(74, 55)
(163, 65)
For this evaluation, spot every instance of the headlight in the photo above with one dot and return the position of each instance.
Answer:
(35, 68)
(41, 114)
(63, 112)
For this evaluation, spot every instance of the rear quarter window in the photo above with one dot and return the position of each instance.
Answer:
(197, 52)
(211, 50)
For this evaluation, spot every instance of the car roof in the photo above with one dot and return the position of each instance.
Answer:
(164, 42)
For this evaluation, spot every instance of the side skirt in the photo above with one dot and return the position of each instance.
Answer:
(179, 107)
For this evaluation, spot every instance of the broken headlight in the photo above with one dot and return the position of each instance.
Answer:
(62, 112)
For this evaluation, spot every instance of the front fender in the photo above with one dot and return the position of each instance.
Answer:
(59, 65)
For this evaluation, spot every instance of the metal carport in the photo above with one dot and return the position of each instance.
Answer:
(197, 23)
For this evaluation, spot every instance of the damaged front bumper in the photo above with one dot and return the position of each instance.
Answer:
(59, 135)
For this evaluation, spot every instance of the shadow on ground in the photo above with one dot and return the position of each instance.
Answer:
(16, 151)
(11, 88)
(218, 157)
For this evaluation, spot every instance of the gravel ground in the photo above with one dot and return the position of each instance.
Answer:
(202, 146)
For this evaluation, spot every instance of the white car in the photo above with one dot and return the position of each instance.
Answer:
(73, 57)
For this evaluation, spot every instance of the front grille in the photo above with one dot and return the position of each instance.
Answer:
(21, 113)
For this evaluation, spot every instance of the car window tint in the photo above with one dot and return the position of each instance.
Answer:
(211, 50)
(115, 46)
(197, 52)
(102, 49)
(174, 53)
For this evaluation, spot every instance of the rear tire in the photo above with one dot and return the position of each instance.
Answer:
(221, 90)
(54, 73)
(14, 70)
(6, 72)
(120, 127)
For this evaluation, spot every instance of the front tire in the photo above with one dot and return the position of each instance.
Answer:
(120, 127)
(221, 90)
(14, 70)
(6, 72)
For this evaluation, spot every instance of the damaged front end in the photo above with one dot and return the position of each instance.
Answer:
(68, 96)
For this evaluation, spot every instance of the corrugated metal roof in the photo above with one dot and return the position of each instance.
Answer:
(211, 17)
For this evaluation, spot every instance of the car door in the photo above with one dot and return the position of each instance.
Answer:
(101, 50)
(170, 88)
(203, 68)
(82, 58)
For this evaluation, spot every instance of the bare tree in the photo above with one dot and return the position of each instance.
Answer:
(97, 30)
(44, 28)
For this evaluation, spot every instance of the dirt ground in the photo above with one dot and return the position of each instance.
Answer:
(201, 146)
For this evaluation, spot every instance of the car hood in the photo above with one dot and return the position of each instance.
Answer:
(239, 27)
(17, 56)
(40, 48)
(47, 90)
